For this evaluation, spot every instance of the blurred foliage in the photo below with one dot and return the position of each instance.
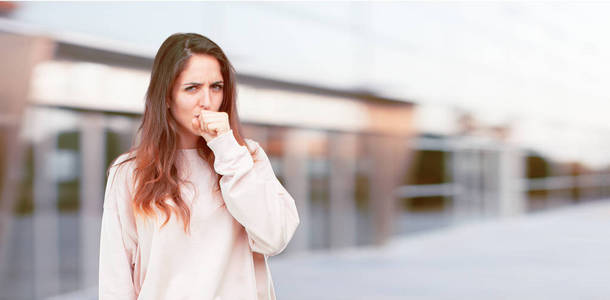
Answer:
(25, 198)
(68, 192)
(577, 169)
(113, 147)
(537, 167)
(421, 204)
(429, 167)
(362, 192)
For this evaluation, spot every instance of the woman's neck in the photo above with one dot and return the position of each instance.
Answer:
(187, 140)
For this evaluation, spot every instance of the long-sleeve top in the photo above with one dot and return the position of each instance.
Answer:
(232, 231)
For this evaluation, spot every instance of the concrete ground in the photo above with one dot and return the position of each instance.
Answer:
(561, 254)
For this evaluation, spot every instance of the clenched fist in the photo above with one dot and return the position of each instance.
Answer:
(210, 124)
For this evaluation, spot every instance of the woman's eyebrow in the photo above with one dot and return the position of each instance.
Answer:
(199, 83)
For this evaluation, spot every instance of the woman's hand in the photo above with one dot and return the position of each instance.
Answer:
(210, 124)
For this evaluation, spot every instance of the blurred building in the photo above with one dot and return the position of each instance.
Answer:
(338, 153)
(361, 166)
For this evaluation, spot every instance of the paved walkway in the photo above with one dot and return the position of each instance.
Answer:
(562, 254)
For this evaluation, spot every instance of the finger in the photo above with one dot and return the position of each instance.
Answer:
(213, 114)
(217, 127)
(207, 112)
(209, 125)
(214, 128)
(195, 124)
(202, 123)
(202, 113)
(213, 120)
(197, 115)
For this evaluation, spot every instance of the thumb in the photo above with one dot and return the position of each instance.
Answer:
(195, 124)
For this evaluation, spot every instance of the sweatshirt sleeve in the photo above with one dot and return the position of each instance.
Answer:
(253, 195)
(118, 240)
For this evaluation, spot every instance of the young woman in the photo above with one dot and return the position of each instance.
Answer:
(194, 210)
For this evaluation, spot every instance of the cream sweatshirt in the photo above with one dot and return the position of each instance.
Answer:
(232, 231)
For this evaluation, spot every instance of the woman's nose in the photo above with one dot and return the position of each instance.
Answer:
(204, 100)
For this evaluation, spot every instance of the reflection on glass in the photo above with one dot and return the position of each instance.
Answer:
(318, 170)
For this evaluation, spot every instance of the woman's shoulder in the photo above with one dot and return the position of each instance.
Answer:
(122, 166)
(127, 158)
(119, 186)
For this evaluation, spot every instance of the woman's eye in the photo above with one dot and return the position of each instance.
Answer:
(190, 88)
(217, 87)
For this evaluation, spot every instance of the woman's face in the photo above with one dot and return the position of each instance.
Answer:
(200, 85)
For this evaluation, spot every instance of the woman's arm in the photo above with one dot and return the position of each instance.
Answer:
(253, 195)
(118, 240)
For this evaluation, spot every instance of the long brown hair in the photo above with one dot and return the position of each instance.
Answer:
(155, 157)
